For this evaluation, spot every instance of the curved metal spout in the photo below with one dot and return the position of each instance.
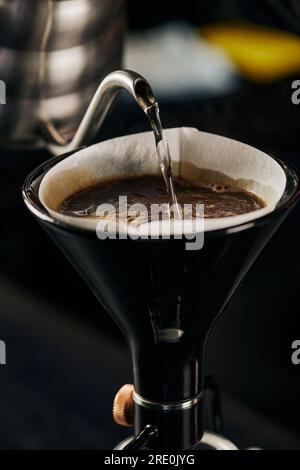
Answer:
(101, 103)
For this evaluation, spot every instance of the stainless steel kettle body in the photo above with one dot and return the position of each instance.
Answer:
(53, 54)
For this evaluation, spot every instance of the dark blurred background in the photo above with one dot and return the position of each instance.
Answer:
(221, 66)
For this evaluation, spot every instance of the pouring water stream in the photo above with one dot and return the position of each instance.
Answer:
(164, 157)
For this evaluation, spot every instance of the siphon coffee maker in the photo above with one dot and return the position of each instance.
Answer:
(165, 298)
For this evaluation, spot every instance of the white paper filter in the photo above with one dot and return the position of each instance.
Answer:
(232, 162)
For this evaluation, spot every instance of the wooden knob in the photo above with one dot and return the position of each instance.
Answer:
(123, 406)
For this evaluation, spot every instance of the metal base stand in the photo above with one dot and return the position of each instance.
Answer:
(209, 441)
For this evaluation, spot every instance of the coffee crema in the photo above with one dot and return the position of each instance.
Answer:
(219, 200)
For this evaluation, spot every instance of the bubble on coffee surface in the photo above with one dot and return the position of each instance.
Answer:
(218, 188)
(103, 200)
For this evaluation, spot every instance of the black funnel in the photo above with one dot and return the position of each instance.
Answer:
(165, 299)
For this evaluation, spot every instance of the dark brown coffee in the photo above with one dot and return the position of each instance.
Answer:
(219, 200)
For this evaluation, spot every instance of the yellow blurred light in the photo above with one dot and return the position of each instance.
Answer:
(260, 53)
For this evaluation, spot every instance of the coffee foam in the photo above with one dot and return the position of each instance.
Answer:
(197, 156)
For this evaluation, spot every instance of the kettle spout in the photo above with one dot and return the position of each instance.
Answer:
(101, 104)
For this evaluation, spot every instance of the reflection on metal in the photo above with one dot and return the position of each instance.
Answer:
(53, 54)
(2, 92)
(181, 405)
(2, 352)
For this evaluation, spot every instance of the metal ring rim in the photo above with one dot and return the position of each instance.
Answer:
(175, 406)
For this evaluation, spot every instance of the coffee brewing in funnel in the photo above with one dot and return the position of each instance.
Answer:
(145, 200)
(196, 156)
(164, 297)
